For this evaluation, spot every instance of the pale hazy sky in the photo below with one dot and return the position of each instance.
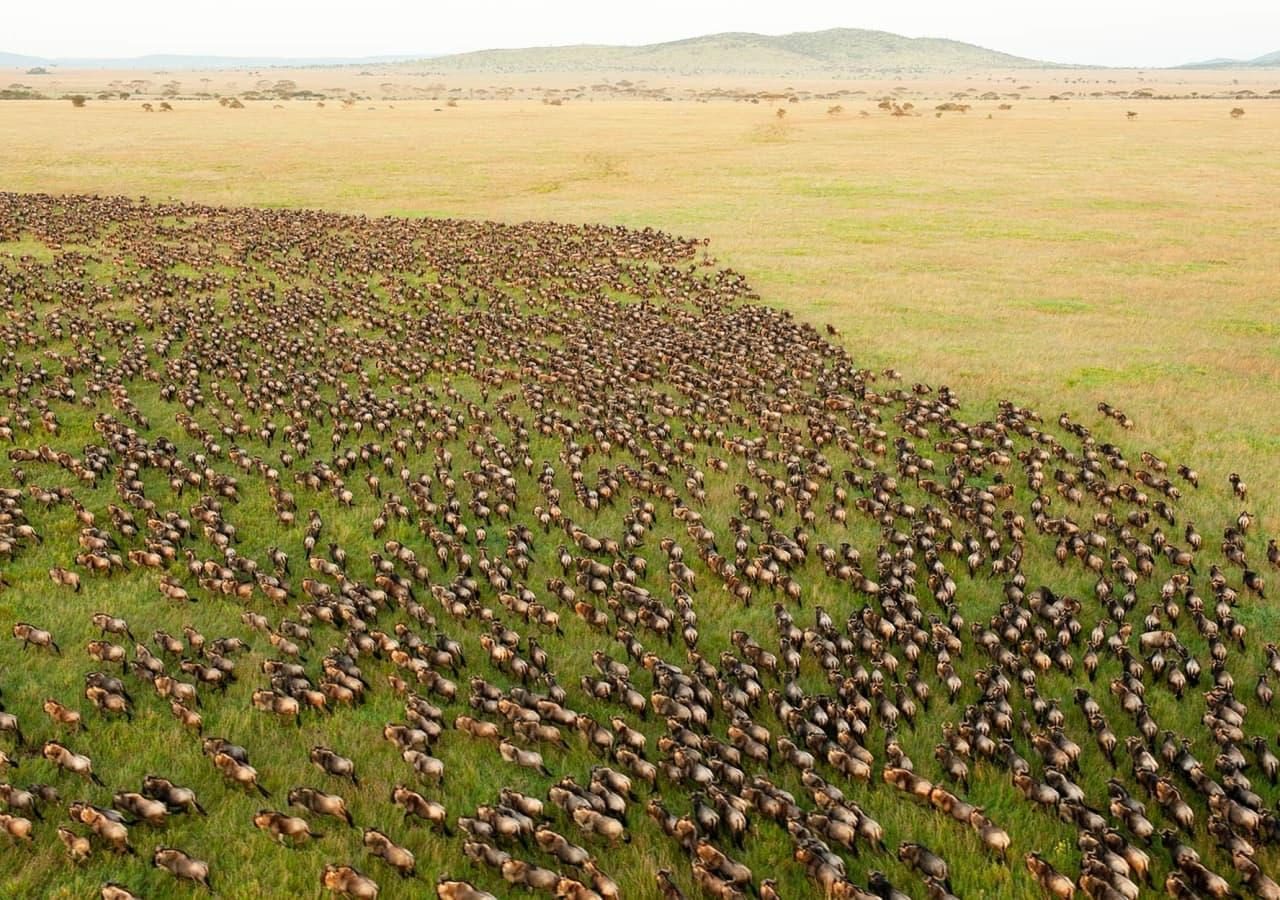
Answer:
(1110, 32)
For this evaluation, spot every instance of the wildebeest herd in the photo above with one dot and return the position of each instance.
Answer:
(666, 596)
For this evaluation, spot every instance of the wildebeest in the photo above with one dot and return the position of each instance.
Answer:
(180, 865)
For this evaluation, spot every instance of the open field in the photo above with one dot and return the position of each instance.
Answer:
(1054, 254)
(427, 80)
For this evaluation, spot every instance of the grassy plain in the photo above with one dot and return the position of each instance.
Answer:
(1055, 254)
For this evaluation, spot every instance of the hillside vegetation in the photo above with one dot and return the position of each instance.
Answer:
(834, 52)
(1265, 61)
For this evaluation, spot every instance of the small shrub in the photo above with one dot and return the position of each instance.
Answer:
(1237, 112)
(78, 100)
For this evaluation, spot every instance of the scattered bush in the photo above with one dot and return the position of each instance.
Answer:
(1237, 112)
(78, 100)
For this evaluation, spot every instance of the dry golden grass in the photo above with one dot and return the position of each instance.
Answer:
(408, 79)
(1055, 253)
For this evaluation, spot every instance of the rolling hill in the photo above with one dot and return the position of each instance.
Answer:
(190, 63)
(837, 51)
(1266, 61)
(834, 52)
(18, 61)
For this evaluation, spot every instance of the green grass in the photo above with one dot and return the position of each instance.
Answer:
(27, 247)
(246, 862)
(1088, 259)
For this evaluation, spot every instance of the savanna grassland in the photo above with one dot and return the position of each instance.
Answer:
(1054, 248)
(1053, 255)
